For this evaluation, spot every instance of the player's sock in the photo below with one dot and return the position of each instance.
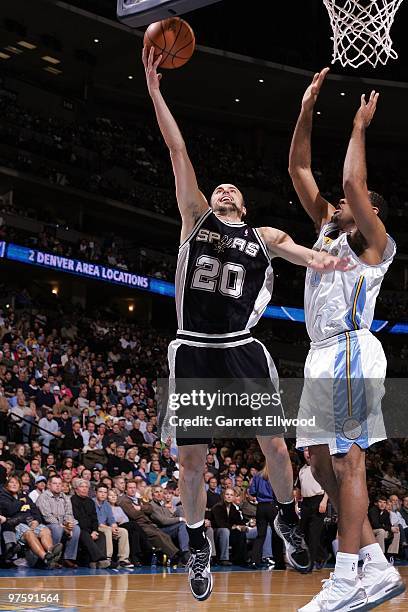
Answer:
(373, 554)
(346, 566)
(196, 534)
(287, 511)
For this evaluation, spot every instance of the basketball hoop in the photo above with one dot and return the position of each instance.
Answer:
(361, 31)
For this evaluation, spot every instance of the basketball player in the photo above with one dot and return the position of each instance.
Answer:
(223, 284)
(346, 365)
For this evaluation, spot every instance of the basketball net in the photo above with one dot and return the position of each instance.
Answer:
(361, 31)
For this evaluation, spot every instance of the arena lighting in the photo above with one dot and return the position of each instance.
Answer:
(50, 59)
(13, 50)
(131, 307)
(342, 93)
(27, 45)
(136, 13)
(55, 290)
(4, 55)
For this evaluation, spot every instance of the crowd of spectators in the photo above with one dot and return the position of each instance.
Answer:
(82, 463)
(129, 162)
(108, 249)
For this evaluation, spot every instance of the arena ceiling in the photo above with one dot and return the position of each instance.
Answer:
(94, 55)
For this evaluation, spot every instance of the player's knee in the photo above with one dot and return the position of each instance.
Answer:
(275, 448)
(191, 463)
(349, 466)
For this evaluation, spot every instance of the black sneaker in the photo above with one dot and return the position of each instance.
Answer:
(199, 573)
(53, 555)
(297, 551)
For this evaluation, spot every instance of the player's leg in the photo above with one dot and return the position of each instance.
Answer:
(194, 499)
(379, 579)
(322, 469)
(287, 521)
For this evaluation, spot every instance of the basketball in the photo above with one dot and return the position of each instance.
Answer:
(173, 38)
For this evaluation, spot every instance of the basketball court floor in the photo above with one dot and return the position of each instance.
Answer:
(143, 590)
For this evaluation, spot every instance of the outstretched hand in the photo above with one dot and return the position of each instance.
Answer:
(367, 110)
(311, 93)
(150, 64)
(324, 262)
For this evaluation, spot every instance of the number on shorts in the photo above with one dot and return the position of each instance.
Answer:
(207, 275)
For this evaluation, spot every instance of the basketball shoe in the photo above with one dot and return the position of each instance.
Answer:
(297, 551)
(338, 595)
(199, 573)
(381, 582)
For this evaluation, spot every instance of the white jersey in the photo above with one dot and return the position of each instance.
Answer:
(342, 301)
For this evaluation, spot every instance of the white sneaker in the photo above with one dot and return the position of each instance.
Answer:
(381, 582)
(338, 595)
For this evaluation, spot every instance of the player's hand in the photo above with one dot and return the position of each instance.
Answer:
(151, 65)
(366, 111)
(311, 93)
(324, 262)
(323, 507)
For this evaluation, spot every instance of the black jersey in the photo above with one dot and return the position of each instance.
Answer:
(224, 277)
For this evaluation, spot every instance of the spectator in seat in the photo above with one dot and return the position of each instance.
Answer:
(18, 457)
(40, 485)
(73, 442)
(229, 529)
(157, 475)
(397, 521)
(23, 516)
(167, 462)
(111, 529)
(93, 456)
(213, 496)
(388, 537)
(169, 523)
(404, 509)
(45, 398)
(48, 430)
(138, 544)
(118, 465)
(133, 508)
(91, 539)
(34, 468)
(137, 436)
(56, 509)
(65, 422)
(142, 470)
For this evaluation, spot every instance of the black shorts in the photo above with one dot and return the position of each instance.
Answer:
(232, 357)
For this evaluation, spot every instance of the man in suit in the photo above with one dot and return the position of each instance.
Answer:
(174, 526)
(130, 504)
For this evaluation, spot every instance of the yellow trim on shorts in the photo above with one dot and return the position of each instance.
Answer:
(354, 309)
(348, 374)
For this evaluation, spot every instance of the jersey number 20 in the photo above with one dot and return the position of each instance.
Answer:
(211, 274)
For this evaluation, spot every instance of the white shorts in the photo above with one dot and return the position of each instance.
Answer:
(341, 399)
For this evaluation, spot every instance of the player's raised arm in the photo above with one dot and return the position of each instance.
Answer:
(282, 245)
(191, 202)
(300, 158)
(355, 182)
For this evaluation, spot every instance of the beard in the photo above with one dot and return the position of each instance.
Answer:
(227, 207)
